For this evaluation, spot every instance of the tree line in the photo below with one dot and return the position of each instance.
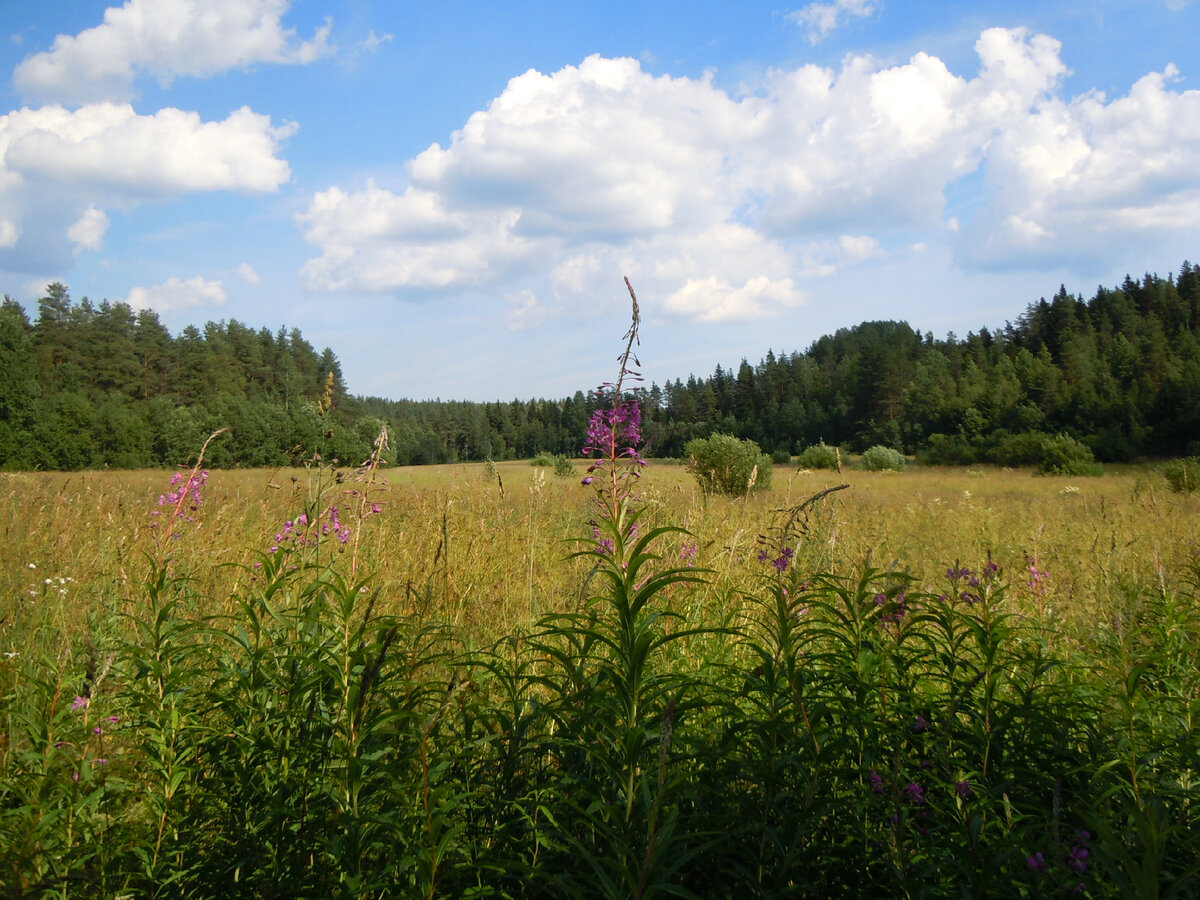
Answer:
(1119, 372)
(85, 386)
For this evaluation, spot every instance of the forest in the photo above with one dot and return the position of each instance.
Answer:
(90, 386)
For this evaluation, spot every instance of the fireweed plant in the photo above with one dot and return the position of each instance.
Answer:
(618, 705)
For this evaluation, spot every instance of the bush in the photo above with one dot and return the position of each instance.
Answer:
(819, 456)
(1183, 475)
(880, 458)
(947, 450)
(781, 457)
(560, 462)
(723, 464)
(1026, 449)
(1063, 455)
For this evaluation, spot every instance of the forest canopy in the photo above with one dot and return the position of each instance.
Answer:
(86, 386)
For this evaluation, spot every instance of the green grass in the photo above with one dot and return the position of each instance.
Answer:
(452, 704)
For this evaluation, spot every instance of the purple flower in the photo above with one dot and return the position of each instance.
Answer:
(1036, 863)
(962, 790)
(79, 703)
(1077, 858)
(914, 792)
(920, 725)
(876, 782)
(615, 432)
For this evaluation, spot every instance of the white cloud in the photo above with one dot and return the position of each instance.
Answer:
(724, 205)
(165, 39)
(374, 41)
(526, 312)
(89, 229)
(8, 233)
(1084, 177)
(821, 18)
(248, 273)
(713, 299)
(56, 164)
(175, 294)
(110, 147)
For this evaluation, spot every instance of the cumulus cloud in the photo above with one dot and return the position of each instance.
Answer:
(164, 39)
(724, 205)
(248, 273)
(8, 233)
(59, 167)
(1082, 177)
(175, 294)
(109, 146)
(821, 18)
(89, 229)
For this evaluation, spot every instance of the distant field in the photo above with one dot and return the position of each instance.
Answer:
(494, 545)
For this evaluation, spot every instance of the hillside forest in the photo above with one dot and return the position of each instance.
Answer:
(89, 386)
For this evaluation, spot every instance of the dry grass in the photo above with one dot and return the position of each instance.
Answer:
(489, 557)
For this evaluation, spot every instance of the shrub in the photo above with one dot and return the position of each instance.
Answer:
(1063, 455)
(819, 456)
(560, 462)
(880, 458)
(1026, 449)
(1183, 475)
(723, 464)
(947, 450)
(780, 457)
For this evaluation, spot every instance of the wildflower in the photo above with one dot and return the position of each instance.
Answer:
(920, 725)
(914, 792)
(687, 553)
(33, 565)
(1036, 863)
(1037, 576)
(1077, 858)
(962, 790)
(79, 703)
(876, 782)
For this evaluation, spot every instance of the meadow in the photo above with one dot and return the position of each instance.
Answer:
(486, 680)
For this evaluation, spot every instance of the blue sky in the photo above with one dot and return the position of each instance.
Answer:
(448, 194)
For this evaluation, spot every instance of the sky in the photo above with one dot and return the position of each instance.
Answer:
(449, 194)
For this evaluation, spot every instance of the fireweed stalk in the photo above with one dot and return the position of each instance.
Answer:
(182, 491)
(613, 439)
(630, 814)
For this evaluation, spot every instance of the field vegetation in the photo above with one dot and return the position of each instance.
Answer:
(935, 681)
